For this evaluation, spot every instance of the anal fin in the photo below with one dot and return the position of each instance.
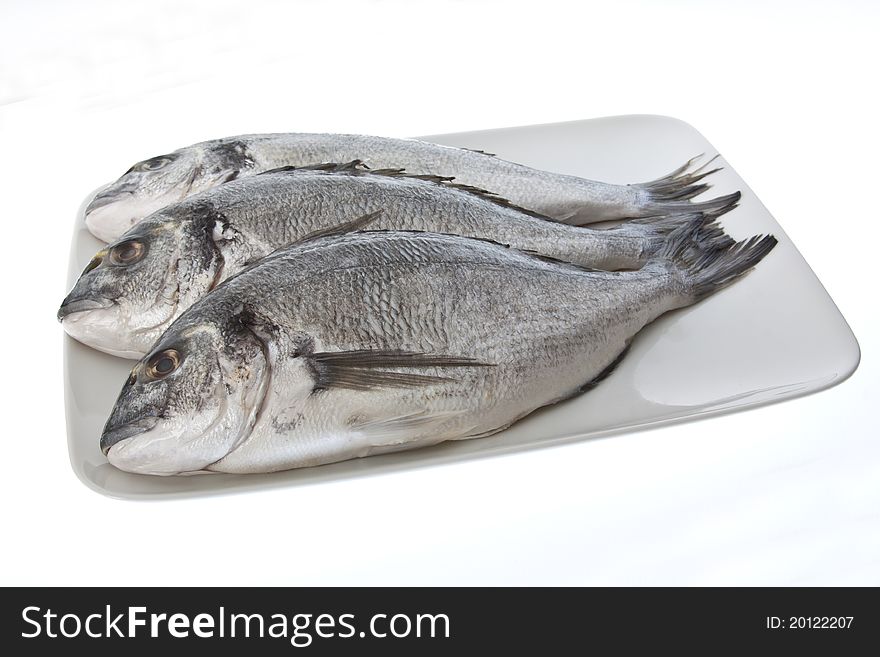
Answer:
(394, 432)
(604, 374)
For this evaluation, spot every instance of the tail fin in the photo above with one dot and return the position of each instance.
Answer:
(681, 184)
(717, 206)
(701, 216)
(707, 267)
(708, 210)
(674, 191)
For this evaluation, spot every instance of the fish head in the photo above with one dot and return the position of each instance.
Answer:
(153, 184)
(189, 402)
(133, 289)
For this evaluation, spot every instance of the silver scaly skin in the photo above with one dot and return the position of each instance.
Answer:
(157, 182)
(373, 342)
(139, 284)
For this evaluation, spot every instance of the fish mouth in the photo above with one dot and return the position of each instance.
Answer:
(70, 306)
(115, 435)
(110, 196)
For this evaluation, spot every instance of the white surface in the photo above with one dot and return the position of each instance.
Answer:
(749, 345)
(782, 494)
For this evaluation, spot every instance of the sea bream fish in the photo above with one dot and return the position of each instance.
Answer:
(159, 181)
(373, 342)
(133, 289)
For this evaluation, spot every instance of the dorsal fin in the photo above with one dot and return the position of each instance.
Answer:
(358, 168)
(558, 262)
(526, 252)
(329, 167)
(358, 225)
(480, 151)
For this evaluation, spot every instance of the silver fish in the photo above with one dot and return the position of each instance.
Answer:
(373, 342)
(135, 288)
(159, 181)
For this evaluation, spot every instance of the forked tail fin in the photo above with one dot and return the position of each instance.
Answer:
(673, 192)
(681, 184)
(656, 230)
(700, 213)
(707, 267)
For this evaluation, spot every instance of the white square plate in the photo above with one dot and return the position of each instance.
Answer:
(772, 336)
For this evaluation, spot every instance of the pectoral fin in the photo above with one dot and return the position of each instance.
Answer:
(368, 369)
(345, 227)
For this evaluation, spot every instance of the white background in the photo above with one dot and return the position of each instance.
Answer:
(787, 91)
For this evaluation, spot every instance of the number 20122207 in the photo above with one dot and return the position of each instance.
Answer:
(809, 622)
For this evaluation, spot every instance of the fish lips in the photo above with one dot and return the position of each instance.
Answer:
(73, 304)
(110, 196)
(114, 435)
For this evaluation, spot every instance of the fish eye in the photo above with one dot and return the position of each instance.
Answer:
(153, 164)
(127, 253)
(162, 364)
